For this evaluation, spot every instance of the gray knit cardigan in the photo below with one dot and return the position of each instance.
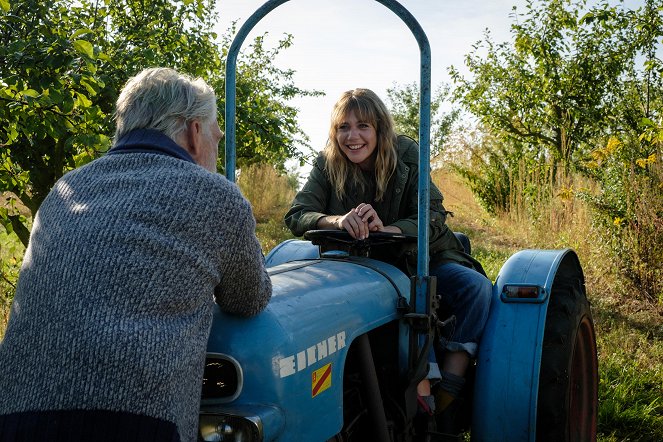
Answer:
(114, 302)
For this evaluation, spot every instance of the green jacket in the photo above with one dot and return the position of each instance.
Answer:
(398, 208)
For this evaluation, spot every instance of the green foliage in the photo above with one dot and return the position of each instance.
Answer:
(629, 209)
(628, 167)
(552, 88)
(267, 128)
(488, 178)
(48, 83)
(403, 101)
(506, 175)
(65, 61)
(571, 93)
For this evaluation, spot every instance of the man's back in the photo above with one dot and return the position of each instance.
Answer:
(124, 257)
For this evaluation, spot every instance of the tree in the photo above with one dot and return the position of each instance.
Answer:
(581, 88)
(63, 63)
(554, 87)
(628, 164)
(49, 119)
(267, 127)
(404, 105)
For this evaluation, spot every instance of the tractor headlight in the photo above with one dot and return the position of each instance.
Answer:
(225, 428)
(222, 379)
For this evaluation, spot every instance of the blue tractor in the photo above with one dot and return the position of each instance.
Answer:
(338, 352)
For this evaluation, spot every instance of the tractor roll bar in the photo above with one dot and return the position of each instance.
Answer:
(424, 125)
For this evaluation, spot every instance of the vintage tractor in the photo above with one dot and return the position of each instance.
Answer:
(338, 352)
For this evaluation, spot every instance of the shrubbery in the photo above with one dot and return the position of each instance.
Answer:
(629, 209)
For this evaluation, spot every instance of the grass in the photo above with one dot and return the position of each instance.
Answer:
(272, 233)
(630, 385)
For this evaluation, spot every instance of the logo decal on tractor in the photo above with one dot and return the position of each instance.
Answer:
(292, 364)
(320, 380)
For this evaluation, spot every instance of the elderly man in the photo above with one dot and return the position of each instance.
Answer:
(107, 333)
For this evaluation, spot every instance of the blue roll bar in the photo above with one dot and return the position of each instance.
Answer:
(424, 125)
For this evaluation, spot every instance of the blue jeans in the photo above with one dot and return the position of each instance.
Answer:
(465, 293)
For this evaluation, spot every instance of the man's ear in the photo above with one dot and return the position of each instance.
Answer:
(194, 139)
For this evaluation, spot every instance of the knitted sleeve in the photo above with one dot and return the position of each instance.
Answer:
(245, 288)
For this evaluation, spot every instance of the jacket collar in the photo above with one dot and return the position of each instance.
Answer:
(150, 141)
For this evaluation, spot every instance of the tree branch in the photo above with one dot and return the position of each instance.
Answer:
(20, 230)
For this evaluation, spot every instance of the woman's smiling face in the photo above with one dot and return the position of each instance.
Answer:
(358, 140)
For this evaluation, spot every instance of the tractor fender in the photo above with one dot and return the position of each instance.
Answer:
(292, 355)
(509, 358)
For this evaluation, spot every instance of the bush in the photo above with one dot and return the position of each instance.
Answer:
(508, 176)
(629, 210)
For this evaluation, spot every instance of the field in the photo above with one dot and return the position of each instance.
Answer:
(629, 330)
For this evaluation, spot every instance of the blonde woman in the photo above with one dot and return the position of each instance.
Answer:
(366, 180)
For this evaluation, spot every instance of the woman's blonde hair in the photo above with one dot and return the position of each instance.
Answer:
(368, 108)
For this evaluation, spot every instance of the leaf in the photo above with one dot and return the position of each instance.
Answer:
(103, 56)
(83, 101)
(67, 104)
(4, 4)
(91, 90)
(84, 47)
(79, 32)
(83, 158)
(30, 93)
(55, 95)
(647, 122)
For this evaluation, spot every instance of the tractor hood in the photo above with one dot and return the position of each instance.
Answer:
(293, 353)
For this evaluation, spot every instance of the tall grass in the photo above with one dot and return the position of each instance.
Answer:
(639, 237)
(270, 195)
(628, 327)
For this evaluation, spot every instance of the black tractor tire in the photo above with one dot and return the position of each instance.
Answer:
(568, 383)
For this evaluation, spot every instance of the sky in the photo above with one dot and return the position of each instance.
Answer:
(345, 44)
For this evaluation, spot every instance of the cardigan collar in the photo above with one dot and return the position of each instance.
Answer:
(150, 141)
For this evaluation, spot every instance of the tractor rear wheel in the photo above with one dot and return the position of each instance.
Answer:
(568, 383)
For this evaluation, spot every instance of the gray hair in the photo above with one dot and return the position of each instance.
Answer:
(164, 100)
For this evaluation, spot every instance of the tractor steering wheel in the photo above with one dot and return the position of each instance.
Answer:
(341, 240)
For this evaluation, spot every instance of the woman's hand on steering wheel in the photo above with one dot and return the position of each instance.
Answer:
(362, 220)
(354, 224)
(368, 215)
